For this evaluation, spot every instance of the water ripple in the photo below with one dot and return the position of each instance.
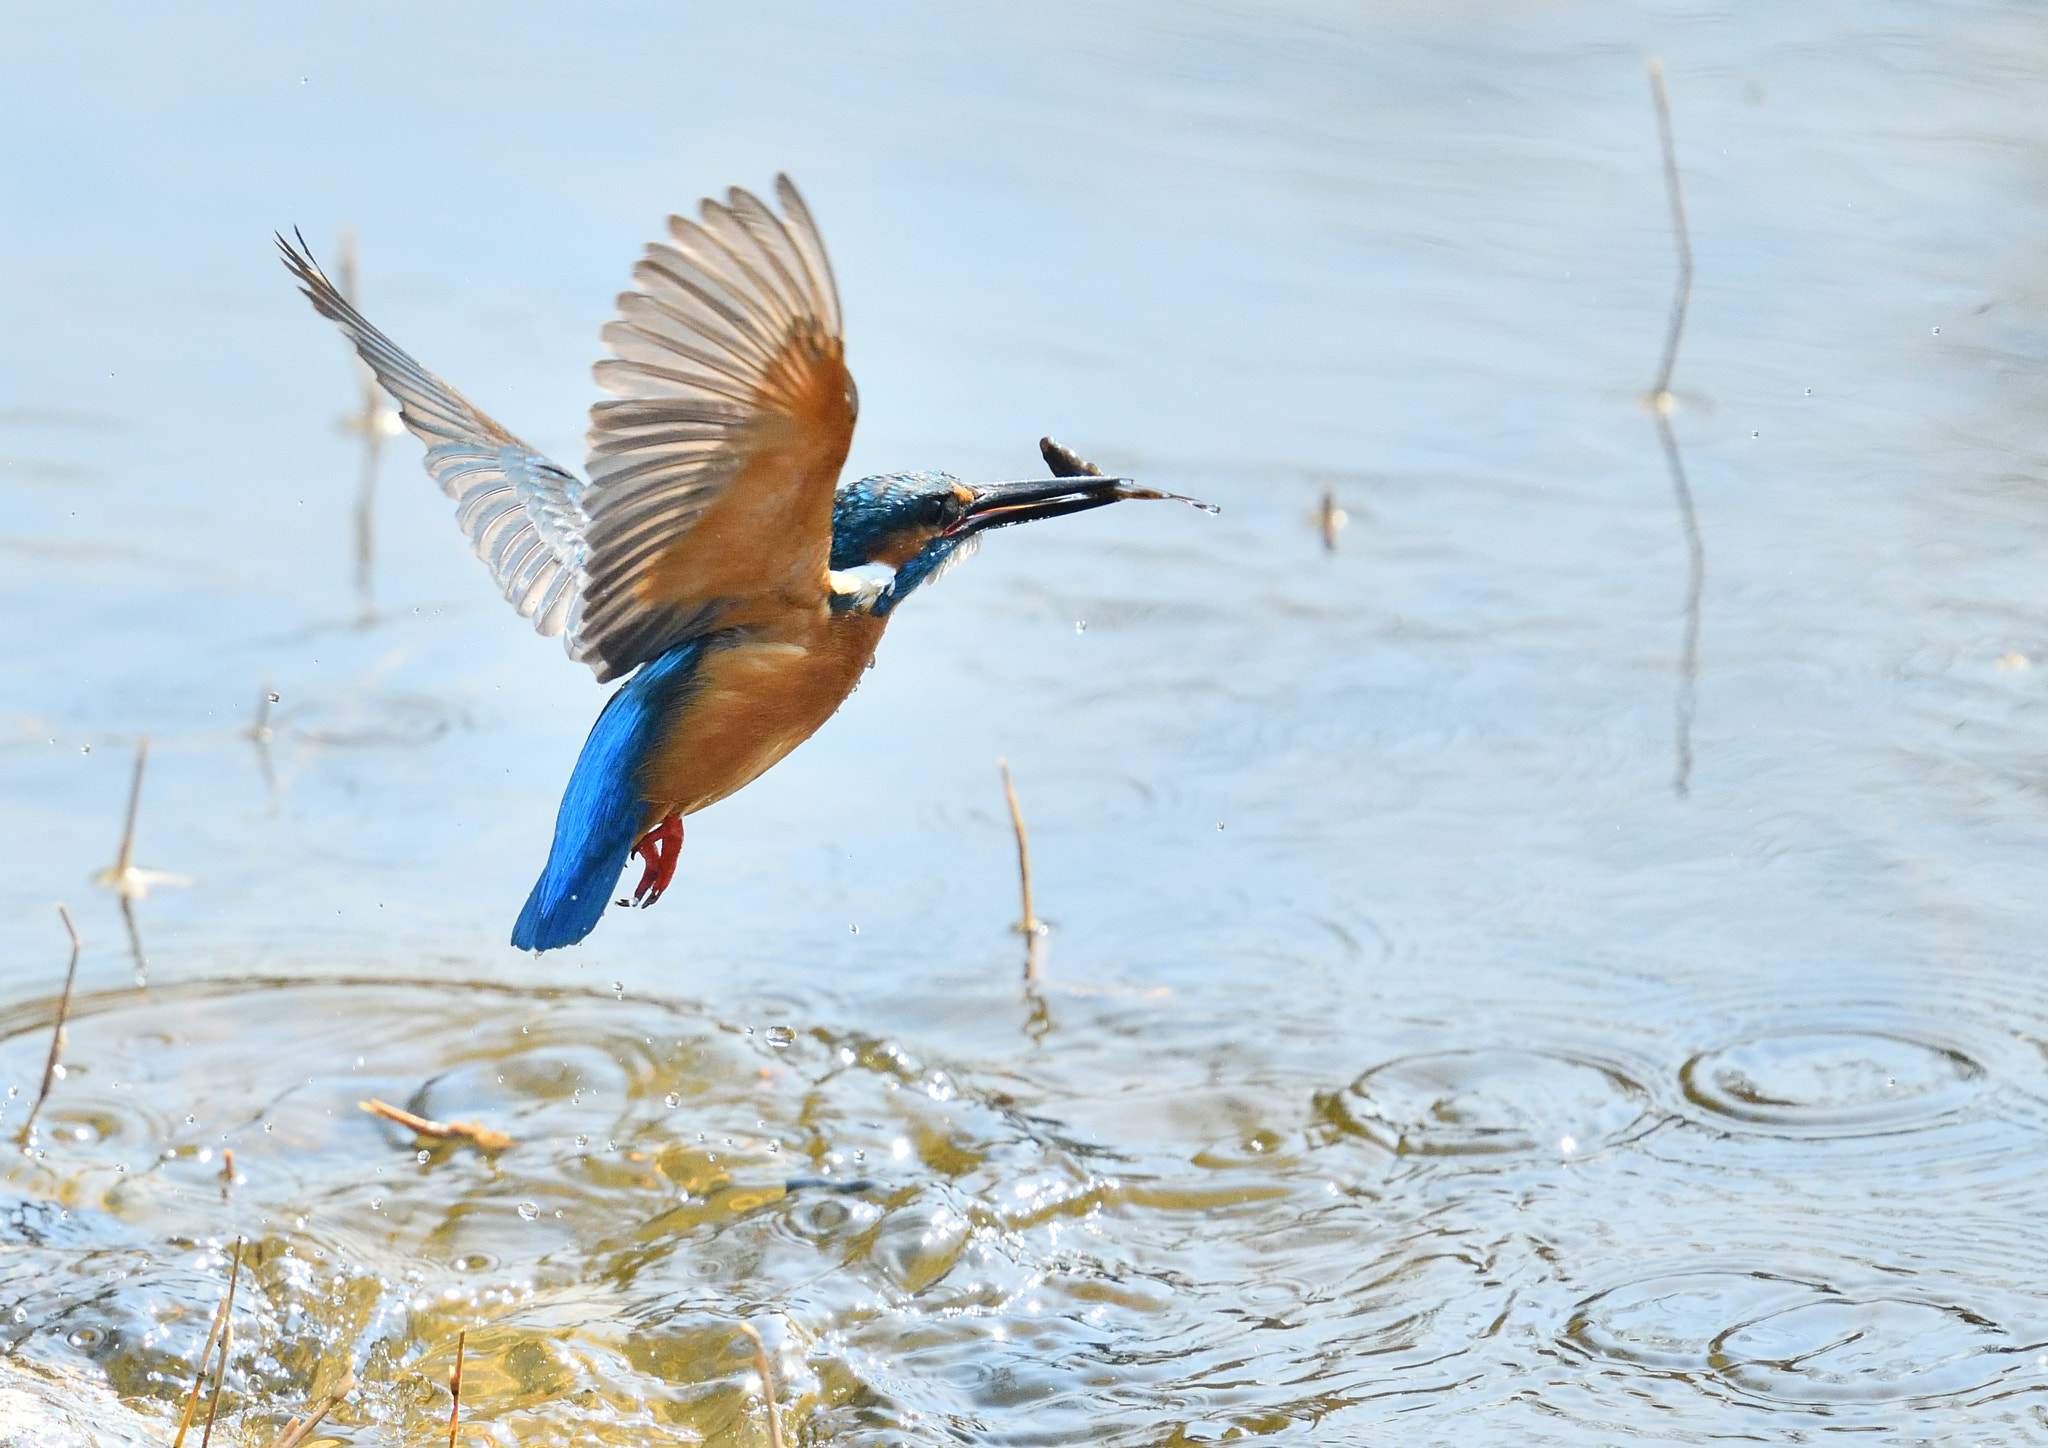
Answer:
(1491, 1103)
(1781, 1340)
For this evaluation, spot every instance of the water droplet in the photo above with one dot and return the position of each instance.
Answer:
(619, 989)
(860, 1156)
(21, 1314)
(1937, 331)
(1080, 625)
(190, 1119)
(529, 1211)
(266, 1126)
(558, 1214)
(57, 1072)
(85, 749)
(1756, 434)
(775, 1146)
(853, 929)
(672, 1100)
(1567, 1145)
(1809, 392)
(120, 1168)
(376, 1204)
(780, 1036)
(583, 1141)
(423, 1157)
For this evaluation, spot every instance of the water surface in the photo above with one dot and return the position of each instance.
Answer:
(1416, 1064)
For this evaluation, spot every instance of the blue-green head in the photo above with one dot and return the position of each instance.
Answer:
(917, 525)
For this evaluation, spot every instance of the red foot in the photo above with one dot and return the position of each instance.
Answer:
(659, 848)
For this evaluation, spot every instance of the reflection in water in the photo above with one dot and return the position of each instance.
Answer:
(260, 736)
(1661, 405)
(129, 881)
(373, 420)
(1330, 519)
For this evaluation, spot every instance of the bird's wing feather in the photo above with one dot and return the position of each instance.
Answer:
(522, 514)
(713, 464)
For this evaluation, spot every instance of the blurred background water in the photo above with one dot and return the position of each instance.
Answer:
(1416, 1063)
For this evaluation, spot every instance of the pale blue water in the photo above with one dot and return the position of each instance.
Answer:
(1369, 887)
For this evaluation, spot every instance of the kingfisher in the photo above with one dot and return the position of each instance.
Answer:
(712, 559)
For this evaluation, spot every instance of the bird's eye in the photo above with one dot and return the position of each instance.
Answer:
(941, 511)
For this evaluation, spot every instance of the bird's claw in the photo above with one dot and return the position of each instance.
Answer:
(658, 849)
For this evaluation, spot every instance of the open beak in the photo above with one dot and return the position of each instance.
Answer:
(997, 505)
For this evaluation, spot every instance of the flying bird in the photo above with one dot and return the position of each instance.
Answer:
(713, 559)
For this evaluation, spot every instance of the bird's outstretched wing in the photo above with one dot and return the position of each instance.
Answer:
(522, 514)
(712, 467)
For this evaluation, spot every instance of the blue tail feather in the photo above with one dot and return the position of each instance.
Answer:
(603, 809)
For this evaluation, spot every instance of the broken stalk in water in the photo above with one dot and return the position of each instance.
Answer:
(213, 1336)
(54, 1067)
(127, 879)
(455, 1387)
(767, 1385)
(1330, 519)
(1030, 925)
(298, 1430)
(475, 1133)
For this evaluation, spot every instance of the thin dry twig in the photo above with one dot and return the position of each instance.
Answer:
(55, 1065)
(124, 877)
(125, 861)
(767, 1385)
(227, 1342)
(213, 1336)
(455, 1387)
(476, 1134)
(1681, 235)
(298, 1430)
(1661, 407)
(1033, 929)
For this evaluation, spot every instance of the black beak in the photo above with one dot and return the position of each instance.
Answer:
(996, 505)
